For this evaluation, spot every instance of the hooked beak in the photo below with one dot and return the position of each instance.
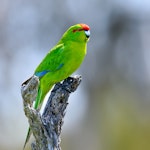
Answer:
(87, 33)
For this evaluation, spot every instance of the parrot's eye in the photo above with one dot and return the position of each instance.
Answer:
(87, 33)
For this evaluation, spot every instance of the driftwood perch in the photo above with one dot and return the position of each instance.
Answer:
(46, 127)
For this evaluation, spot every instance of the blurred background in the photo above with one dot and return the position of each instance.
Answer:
(111, 108)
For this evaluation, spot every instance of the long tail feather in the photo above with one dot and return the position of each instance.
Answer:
(35, 106)
(27, 138)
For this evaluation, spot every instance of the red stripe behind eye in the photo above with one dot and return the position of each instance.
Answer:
(75, 30)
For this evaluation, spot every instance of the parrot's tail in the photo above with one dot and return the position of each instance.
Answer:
(27, 138)
(35, 106)
(39, 100)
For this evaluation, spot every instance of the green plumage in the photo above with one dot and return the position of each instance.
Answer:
(61, 61)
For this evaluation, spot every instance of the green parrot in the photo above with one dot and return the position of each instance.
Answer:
(61, 61)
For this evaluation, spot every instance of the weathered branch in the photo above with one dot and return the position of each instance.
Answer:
(46, 128)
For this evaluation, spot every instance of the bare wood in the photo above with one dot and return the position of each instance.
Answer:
(46, 128)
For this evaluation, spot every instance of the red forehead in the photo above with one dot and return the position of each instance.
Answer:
(85, 27)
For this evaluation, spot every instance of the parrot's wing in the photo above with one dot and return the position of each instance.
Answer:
(52, 62)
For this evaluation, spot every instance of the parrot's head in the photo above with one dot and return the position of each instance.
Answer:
(78, 33)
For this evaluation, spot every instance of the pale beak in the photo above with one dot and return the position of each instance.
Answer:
(87, 33)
